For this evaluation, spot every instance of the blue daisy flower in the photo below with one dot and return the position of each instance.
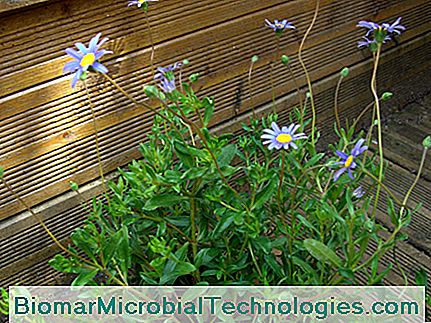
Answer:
(279, 25)
(86, 58)
(140, 3)
(282, 138)
(348, 161)
(380, 33)
(167, 77)
(358, 192)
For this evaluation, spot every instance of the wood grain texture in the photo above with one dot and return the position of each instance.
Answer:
(18, 249)
(51, 139)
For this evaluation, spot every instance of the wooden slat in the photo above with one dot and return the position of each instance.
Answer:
(83, 130)
(18, 231)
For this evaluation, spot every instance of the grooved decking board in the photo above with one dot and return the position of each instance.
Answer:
(51, 140)
(58, 213)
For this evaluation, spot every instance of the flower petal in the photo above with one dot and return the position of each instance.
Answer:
(73, 53)
(275, 127)
(92, 46)
(339, 173)
(342, 155)
(99, 67)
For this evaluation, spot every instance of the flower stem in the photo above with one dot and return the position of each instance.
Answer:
(280, 184)
(379, 127)
(299, 93)
(355, 122)
(406, 198)
(193, 231)
(383, 185)
(96, 136)
(150, 36)
(337, 90)
(307, 76)
(250, 89)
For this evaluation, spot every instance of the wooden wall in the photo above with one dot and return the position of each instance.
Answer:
(46, 130)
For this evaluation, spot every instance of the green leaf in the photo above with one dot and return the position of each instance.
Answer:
(85, 277)
(110, 247)
(321, 252)
(182, 268)
(274, 265)
(266, 193)
(262, 243)
(391, 212)
(347, 272)
(180, 221)
(227, 154)
(307, 268)
(164, 200)
(204, 257)
(379, 278)
(123, 252)
(421, 277)
(222, 226)
(350, 206)
(209, 110)
(183, 154)
(209, 272)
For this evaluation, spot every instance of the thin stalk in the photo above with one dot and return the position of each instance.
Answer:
(298, 91)
(355, 122)
(406, 198)
(383, 185)
(250, 71)
(280, 184)
(277, 54)
(337, 90)
(307, 76)
(96, 137)
(150, 36)
(379, 127)
(143, 104)
(254, 260)
(193, 229)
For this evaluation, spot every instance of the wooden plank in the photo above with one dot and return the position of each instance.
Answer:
(38, 148)
(9, 5)
(82, 176)
(326, 86)
(108, 18)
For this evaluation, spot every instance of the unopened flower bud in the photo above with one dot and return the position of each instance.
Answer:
(345, 72)
(255, 58)
(194, 77)
(285, 59)
(387, 96)
(307, 95)
(74, 186)
(1, 172)
(427, 142)
(186, 62)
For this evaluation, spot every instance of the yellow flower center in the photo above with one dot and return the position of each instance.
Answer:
(141, 1)
(279, 26)
(349, 161)
(88, 59)
(284, 138)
